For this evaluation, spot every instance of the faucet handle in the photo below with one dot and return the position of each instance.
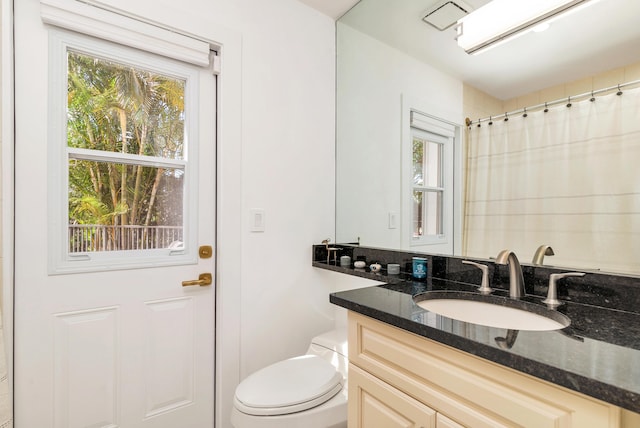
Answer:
(484, 285)
(552, 295)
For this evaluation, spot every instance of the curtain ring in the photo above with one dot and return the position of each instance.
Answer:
(619, 91)
(592, 99)
(525, 113)
(479, 123)
(490, 121)
(546, 108)
(569, 102)
(506, 117)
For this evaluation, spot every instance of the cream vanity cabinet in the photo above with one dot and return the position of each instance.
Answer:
(399, 379)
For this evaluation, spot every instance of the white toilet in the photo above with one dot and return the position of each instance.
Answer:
(309, 391)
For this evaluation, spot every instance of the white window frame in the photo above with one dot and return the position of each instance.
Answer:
(61, 261)
(443, 123)
(445, 143)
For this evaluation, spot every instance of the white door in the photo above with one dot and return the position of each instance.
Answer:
(106, 335)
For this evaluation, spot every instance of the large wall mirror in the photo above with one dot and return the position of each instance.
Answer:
(404, 91)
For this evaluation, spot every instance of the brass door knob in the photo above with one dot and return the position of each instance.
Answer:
(203, 279)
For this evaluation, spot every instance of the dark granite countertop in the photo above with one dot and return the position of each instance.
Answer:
(597, 355)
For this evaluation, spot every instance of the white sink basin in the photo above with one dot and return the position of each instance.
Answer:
(492, 311)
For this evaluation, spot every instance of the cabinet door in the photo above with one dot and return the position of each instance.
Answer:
(444, 422)
(375, 404)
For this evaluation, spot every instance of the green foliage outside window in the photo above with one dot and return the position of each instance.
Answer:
(118, 108)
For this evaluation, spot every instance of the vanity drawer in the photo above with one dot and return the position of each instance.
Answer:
(472, 391)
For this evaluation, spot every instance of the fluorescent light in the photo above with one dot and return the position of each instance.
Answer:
(502, 20)
(541, 27)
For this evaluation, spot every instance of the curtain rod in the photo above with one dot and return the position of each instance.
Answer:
(545, 105)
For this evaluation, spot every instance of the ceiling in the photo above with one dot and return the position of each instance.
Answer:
(332, 8)
(601, 37)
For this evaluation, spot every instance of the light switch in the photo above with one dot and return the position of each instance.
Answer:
(393, 220)
(257, 220)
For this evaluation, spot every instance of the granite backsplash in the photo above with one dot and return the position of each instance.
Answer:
(607, 290)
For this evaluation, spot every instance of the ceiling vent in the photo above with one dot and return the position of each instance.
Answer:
(444, 14)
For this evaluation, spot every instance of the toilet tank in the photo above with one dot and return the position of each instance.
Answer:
(333, 347)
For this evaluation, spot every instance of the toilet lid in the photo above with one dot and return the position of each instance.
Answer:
(288, 386)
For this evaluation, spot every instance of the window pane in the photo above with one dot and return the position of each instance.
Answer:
(115, 207)
(417, 214)
(427, 213)
(427, 162)
(121, 109)
(433, 216)
(118, 108)
(418, 162)
(433, 162)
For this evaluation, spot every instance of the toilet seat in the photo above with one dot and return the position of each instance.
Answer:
(289, 386)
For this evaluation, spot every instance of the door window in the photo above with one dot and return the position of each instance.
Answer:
(127, 133)
(115, 109)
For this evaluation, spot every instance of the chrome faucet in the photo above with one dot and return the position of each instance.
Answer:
(543, 250)
(516, 279)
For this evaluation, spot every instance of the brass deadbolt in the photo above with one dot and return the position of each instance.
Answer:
(205, 251)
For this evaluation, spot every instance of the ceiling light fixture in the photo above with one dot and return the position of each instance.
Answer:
(501, 20)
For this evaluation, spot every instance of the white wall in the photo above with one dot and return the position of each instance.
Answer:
(287, 169)
(372, 80)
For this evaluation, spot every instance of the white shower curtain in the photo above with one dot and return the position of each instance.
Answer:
(569, 178)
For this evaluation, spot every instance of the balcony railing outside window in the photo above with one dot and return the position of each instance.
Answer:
(96, 237)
